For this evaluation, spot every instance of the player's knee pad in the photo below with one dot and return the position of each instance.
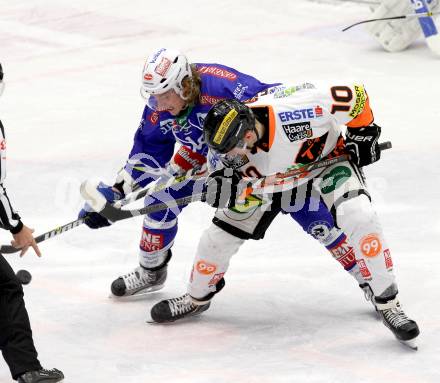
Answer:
(356, 213)
(218, 245)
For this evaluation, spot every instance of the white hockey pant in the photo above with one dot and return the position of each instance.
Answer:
(360, 223)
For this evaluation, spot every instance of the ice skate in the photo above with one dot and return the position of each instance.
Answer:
(138, 282)
(170, 310)
(41, 376)
(403, 328)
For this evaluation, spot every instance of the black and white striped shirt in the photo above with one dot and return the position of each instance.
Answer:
(9, 218)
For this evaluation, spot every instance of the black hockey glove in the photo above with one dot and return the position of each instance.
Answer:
(221, 187)
(363, 145)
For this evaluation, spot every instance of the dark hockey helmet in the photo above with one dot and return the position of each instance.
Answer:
(226, 124)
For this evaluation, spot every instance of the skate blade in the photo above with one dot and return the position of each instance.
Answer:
(410, 344)
(137, 295)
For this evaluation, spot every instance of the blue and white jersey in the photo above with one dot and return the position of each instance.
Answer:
(158, 131)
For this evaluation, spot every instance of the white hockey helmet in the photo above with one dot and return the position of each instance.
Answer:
(2, 84)
(164, 69)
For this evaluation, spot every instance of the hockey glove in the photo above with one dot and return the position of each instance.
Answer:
(93, 219)
(362, 144)
(221, 188)
(187, 161)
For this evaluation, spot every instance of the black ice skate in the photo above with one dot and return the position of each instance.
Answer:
(139, 281)
(170, 310)
(41, 376)
(403, 328)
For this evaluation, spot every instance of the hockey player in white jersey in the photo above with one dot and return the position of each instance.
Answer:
(281, 129)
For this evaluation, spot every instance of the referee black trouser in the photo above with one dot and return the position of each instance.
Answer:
(15, 331)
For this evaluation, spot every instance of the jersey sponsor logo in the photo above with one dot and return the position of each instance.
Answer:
(154, 117)
(344, 254)
(364, 269)
(361, 98)
(237, 162)
(163, 67)
(282, 92)
(217, 72)
(318, 111)
(388, 259)
(370, 245)
(240, 90)
(224, 126)
(151, 241)
(300, 114)
(311, 149)
(334, 179)
(263, 93)
(206, 99)
(205, 268)
(166, 125)
(148, 76)
(186, 159)
(298, 131)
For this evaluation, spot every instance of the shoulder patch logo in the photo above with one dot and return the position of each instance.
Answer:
(361, 98)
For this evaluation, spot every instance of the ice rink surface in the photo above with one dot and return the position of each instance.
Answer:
(289, 313)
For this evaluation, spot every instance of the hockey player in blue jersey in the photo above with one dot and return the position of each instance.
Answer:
(178, 97)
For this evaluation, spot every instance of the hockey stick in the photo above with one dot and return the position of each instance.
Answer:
(8, 249)
(99, 203)
(409, 16)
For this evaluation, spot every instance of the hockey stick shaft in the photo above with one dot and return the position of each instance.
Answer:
(114, 214)
(8, 249)
(409, 16)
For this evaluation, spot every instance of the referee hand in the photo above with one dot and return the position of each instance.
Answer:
(24, 239)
